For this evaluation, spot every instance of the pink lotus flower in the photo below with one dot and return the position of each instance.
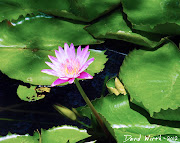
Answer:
(68, 65)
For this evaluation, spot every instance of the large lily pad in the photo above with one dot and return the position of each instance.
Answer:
(77, 10)
(63, 134)
(82, 10)
(152, 79)
(158, 16)
(14, 138)
(12, 10)
(114, 26)
(168, 114)
(43, 32)
(124, 122)
(26, 64)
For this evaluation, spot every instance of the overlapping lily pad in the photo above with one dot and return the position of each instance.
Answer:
(14, 138)
(63, 134)
(12, 10)
(152, 79)
(42, 32)
(26, 64)
(168, 114)
(160, 16)
(113, 26)
(76, 10)
(124, 122)
(29, 94)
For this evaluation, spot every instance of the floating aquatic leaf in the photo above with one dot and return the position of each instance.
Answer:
(11, 10)
(123, 122)
(77, 10)
(29, 94)
(152, 78)
(14, 138)
(154, 16)
(63, 134)
(43, 32)
(114, 26)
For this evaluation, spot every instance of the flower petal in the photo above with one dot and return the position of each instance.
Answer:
(85, 66)
(72, 51)
(84, 51)
(85, 75)
(71, 80)
(53, 59)
(58, 81)
(55, 68)
(60, 56)
(64, 78)
(50, 72)
(79, 51)
(51, 65)
(85, 58)
(61, 50)
(66, 49)
(82, 55)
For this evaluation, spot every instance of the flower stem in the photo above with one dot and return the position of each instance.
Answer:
(83, 124)
(100, 121)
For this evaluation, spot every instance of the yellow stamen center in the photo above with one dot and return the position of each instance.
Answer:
(71, 67)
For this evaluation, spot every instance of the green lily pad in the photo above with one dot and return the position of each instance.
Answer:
(43, 32)
(168, 114)
(12, 10)
(152, 79)
(14, 138)
(98, 64)
(113, 26)
(63, 134)
(26, 64)
(124, 122)
(154, 16)
(28, 94)
(77, 10)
